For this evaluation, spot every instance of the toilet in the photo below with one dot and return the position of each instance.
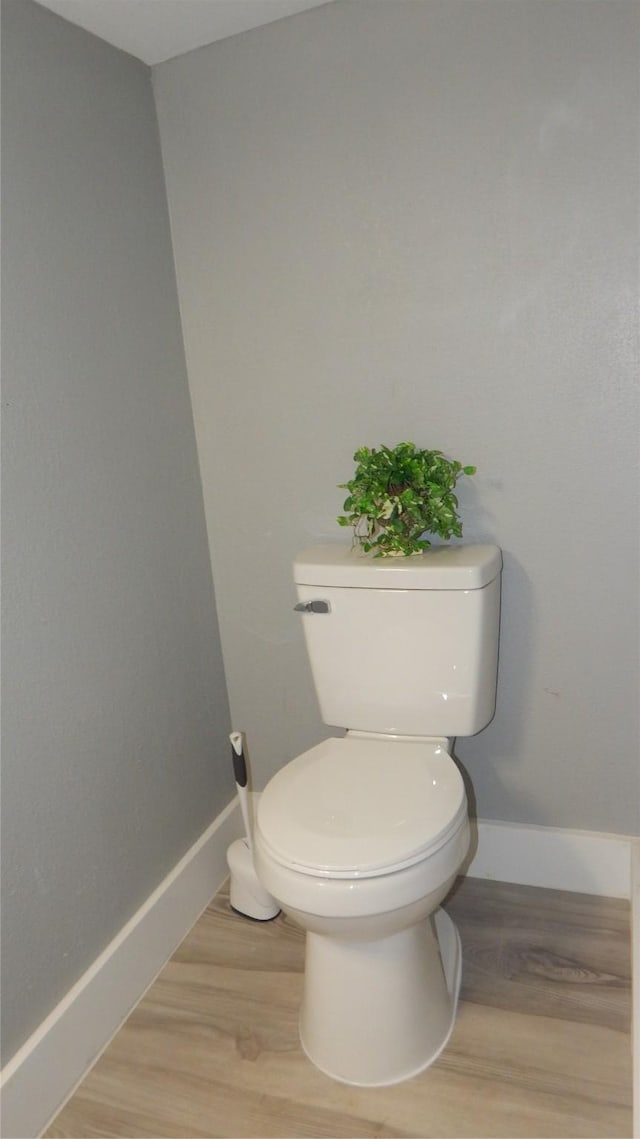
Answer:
(360, 838)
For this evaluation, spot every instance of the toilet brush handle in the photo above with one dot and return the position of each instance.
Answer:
(239, 763)
(241, 778)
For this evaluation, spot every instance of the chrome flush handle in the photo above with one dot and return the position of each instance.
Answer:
(312, 607)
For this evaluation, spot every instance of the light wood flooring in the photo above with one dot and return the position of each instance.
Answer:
(541, 1046)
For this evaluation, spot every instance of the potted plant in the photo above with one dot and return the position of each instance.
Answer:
(399, 494)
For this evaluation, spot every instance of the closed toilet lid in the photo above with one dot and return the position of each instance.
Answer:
(361, 807)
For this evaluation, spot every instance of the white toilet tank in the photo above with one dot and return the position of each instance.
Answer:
(406, 646)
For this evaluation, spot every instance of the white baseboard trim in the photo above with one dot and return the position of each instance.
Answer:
(46, 1070)
(584, 862)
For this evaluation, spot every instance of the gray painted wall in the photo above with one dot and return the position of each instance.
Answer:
(115, 710)
(419, 221)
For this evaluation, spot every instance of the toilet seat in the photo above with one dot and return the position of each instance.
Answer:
(361, 807)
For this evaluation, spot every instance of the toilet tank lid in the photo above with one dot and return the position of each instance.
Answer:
(441, 567)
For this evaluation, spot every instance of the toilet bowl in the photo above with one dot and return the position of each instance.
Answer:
(359, 839)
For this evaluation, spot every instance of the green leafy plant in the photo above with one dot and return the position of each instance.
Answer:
(399, 494)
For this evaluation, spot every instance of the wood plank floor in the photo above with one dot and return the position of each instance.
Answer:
(541, 1047)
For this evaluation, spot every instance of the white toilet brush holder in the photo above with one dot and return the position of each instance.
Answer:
(247, 895)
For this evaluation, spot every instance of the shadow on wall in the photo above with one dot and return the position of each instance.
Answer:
(482, 760)
(479, 524)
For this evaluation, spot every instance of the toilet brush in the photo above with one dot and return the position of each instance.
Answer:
(247, 895)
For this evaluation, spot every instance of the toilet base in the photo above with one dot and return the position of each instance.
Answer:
(379, 1012)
